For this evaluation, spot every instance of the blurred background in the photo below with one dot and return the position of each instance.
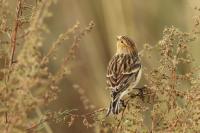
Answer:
(142, 20)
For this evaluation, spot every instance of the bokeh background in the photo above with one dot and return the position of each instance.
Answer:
(142, 20)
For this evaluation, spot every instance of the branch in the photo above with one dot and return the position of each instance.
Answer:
(64, 114)
(14, 32)
(13, 43)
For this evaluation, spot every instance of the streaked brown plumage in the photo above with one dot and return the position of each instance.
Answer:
(123, 72)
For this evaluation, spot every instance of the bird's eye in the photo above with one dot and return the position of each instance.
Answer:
(121, 41)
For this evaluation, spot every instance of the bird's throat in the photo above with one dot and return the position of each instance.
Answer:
(124, 50)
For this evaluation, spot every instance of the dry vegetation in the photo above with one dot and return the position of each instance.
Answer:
(26, 83)
(171, 98)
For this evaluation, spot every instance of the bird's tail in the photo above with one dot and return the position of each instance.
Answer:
(115, 106)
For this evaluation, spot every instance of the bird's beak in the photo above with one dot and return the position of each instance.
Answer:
(118, 38)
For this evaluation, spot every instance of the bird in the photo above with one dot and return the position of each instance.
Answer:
(124, 72)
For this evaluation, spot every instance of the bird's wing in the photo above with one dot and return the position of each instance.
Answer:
(121, 71)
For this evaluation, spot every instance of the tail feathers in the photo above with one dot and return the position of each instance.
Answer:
(115, 106)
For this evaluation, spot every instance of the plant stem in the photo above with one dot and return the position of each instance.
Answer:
(13, 45)
(14, 32)
(46, 126)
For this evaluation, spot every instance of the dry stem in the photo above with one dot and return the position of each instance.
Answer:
(13, 43)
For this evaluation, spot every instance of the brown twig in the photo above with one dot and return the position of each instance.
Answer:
(73, 48)
(14, 32)
(13, 42)
(61, 38)
(79, 116)
(76, 41)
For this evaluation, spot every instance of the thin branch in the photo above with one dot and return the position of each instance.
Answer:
(79, 116)
(13, 42)
(61, 38)
(14, 32)
(73, 49)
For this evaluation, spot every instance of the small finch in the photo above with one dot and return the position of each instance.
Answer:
(123, 73)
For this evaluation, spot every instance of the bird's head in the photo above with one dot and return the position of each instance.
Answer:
(125, 45)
